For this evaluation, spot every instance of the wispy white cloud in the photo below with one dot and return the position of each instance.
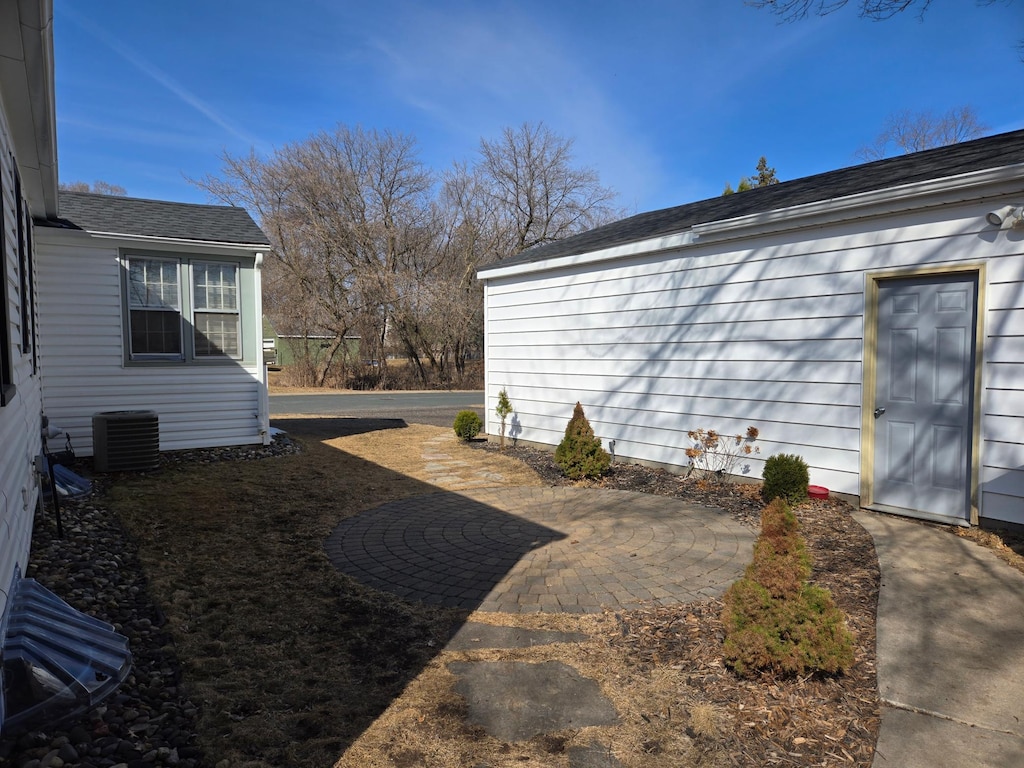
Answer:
(473, 72)
(118, 131)
(159, 76)
(473, 68)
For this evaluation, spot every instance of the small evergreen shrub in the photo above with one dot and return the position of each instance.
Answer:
(503, 411)
(774, 619)
(467, 425)
(785, 477)
(580, 453)
(794, 637)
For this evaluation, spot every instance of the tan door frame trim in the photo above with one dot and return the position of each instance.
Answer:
(867, 416)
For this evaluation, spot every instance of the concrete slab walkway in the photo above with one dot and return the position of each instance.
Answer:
(560, 549)
(950, 641)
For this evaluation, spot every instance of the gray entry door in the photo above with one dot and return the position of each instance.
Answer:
(924, 395)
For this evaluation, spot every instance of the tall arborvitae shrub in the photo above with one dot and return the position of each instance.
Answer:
(580, 454)
(774, 619)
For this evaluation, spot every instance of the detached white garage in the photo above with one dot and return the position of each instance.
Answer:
(870, 319)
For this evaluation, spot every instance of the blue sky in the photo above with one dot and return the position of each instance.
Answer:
(667, 101)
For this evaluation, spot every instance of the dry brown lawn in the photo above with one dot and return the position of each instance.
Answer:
(293, 664)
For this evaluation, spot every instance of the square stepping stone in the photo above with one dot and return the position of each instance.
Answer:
(515, 701)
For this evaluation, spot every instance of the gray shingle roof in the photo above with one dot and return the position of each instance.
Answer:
(977, 155)
(156, 218)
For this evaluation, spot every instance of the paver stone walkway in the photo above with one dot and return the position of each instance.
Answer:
(558, 549)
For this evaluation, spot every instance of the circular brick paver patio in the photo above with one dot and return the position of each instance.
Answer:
(542, 549)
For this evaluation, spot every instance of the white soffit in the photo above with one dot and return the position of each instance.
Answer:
(26, 86)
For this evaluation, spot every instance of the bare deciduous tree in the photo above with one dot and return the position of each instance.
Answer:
(871, 9)
(348, 213)
(908, 131)
(523, 190)
(97, 187)
(876, 10)
(365, 241)
(535, 192)
(471, 237)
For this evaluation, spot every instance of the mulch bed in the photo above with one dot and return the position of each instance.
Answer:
(770, 720)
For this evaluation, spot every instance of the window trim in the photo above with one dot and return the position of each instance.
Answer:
(186, 308)
(27, 302)
(144, 356)
(236, 312)
(8, 390)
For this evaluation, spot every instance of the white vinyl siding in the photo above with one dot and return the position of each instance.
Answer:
(1002, 464)
(20, 440)
(84, 347)
(766, 332)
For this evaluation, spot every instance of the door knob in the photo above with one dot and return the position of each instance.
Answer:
(879, 412)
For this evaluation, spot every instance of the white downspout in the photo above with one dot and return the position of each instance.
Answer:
(263, 393)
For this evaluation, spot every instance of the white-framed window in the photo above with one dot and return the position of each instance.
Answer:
(154, 308)
(216, 320)
(182, 309)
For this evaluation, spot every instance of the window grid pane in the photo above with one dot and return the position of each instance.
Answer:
(154, 298)
(216, 287)
(155, 332)
(153, 284)
(216, 334)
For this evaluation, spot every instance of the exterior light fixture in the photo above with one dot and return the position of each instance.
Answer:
(999, 215)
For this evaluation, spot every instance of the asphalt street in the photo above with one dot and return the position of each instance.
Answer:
(437, 408)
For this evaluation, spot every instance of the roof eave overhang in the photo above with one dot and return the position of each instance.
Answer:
(635, 248)
(151, 240)
(27, 91)
(903, 198)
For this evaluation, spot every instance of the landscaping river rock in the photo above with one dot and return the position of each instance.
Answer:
(150, 721)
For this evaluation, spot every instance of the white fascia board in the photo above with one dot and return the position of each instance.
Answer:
(652, 245)
(906, 197)
(143, 240)
(263, 247)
